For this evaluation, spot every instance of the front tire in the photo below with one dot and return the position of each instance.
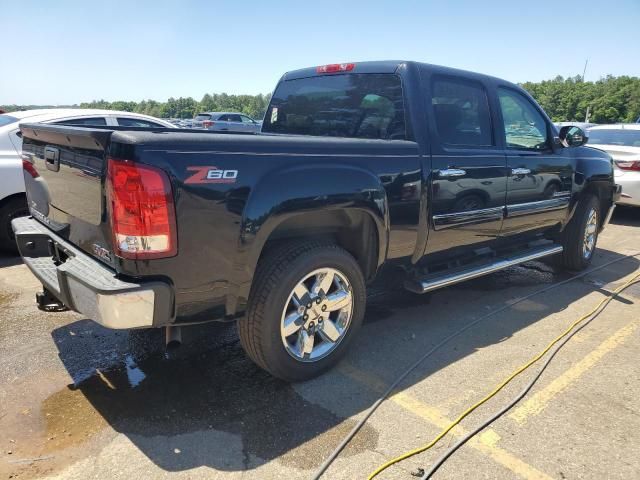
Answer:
(306, 304)
(581, 234)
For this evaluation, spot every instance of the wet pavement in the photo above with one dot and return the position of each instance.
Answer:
(81, 401)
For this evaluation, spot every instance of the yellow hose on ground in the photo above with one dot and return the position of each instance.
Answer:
(517, 372)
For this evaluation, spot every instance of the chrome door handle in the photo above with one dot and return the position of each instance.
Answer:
(452, 172)
(520, 171)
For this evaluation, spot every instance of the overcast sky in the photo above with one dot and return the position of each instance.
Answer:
(66, 52)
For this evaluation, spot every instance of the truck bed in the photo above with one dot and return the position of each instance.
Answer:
(221, 222)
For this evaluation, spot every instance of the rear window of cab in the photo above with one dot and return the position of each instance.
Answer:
(344, 105)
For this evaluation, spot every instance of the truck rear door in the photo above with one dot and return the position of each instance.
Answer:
(468, 168)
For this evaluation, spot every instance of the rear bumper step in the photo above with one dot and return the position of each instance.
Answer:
(85, 285)
(443, 279)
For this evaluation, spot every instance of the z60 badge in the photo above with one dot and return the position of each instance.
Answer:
(211, 175)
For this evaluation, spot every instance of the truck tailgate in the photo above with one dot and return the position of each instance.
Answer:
(65, 187)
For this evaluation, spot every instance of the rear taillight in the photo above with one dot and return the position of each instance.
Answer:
(140, 203)
(28, 167)
(207, 123)
(628, 165)
(335, 68)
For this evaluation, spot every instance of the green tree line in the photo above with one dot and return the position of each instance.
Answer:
(187, 107)
(608, 100)
(182, 107)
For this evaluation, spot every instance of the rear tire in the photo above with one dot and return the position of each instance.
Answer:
(327, 320)
(14, 208)
(580, 237)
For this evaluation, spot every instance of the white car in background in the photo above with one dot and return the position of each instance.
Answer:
(12, 192)
(226, 122)
(622, 142)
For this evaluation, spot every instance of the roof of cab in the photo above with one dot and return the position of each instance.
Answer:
(384, 66)
(390, 66)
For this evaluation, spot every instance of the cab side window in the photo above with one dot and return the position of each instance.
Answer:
(461, 112)
(524, 126)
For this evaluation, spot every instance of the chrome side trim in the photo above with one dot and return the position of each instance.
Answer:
(529, 208)
(449, 220)
(445, 279)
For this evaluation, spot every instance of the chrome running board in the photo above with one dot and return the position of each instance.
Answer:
(446, 278)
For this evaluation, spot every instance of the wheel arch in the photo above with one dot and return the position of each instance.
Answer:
(345, 204)
(603, 192)
(6, 233)
(594, 176)
(355, 230)
(12, 197)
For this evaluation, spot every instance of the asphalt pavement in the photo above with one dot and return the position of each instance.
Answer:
(80, 401)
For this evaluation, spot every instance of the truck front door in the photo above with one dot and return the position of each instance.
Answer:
(540, 177)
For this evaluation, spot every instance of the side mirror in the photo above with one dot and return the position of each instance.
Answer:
(572, 136)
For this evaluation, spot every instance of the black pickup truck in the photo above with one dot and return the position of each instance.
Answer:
(446, 174)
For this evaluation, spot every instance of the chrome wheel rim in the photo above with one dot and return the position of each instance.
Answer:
(317, 315)
(590, 234)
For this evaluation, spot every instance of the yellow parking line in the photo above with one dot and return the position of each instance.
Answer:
(485, 443)
(537, 402)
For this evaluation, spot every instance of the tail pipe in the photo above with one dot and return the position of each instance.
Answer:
(173, 337)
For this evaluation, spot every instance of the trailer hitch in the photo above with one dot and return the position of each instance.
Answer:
(48, 303)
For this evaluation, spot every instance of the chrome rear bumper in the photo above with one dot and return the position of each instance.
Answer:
(87, 286)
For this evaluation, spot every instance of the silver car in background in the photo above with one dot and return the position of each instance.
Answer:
(622, 142)
(226, 122)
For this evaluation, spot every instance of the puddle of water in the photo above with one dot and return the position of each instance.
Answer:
(6, 298)
(134, 374)
(151, 396)
(69, 419)
(530, 306)
(526, 274)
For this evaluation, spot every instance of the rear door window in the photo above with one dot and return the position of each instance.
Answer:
(349, 105)
(235, 118)
(461, 112)
(83, 122)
